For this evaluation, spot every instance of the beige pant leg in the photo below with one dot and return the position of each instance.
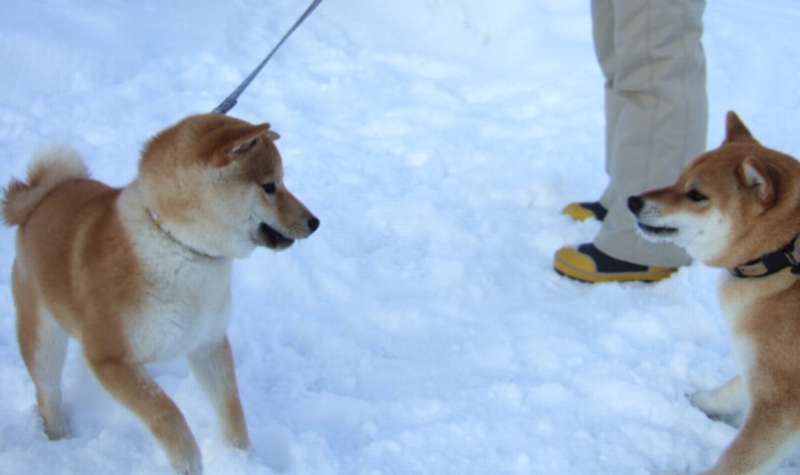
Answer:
(656, 110)
(603, 31)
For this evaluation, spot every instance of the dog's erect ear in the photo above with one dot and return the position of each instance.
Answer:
(735, 130)
(756, 176)
(272, 135)
(246, 141)
(243, 147)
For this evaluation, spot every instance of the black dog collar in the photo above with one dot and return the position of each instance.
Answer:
(787, 256)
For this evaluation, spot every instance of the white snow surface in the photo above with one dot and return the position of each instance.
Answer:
(422, 329)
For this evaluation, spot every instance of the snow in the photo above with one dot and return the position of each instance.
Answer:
(422, 328)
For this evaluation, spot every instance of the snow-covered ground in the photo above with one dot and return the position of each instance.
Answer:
(422, 329)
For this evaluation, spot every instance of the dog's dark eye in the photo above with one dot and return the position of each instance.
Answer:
(696, 196)
(269, 188)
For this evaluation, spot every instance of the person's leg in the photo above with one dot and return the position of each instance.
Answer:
(656, 121)
(603, 34)
(603, 28)
(659, 87)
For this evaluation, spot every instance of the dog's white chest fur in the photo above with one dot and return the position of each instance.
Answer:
(188, 306)
(736, 296)
(187, 295)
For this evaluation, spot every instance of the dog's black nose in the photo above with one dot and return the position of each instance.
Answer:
(313, 224)
(635, 204)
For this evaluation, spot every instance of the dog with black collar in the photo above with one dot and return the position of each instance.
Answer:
(738, 207)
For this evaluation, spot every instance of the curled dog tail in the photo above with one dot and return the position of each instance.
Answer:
(47, 170)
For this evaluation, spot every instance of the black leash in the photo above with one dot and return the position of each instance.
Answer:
(230, 101)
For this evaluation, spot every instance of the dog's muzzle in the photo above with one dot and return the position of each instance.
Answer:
(271, 238)
(636, 205)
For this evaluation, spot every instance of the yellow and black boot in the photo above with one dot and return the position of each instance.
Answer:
(585, 210)
(589, 264)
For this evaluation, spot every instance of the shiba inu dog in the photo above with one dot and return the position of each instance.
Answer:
(738, 207)
(142, 273)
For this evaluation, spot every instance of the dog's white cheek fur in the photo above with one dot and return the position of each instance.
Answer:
(704, 236)
(232, 208)
(242, 223)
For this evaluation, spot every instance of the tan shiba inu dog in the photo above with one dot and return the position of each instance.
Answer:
(738, 207)
(142, 273)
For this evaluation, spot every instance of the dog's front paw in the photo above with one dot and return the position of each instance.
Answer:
(185, 457)
(722, 404)
(240, 443)
(54, 426)
(730, 398)
(192, 466)
(706, 402)
(57, 433)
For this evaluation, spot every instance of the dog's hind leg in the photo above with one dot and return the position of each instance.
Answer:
(133, 387)
(770, 432)
(43, 345)
(212, 367)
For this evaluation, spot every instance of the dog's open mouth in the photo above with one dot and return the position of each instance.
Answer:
(272, 238)
(661, 231)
